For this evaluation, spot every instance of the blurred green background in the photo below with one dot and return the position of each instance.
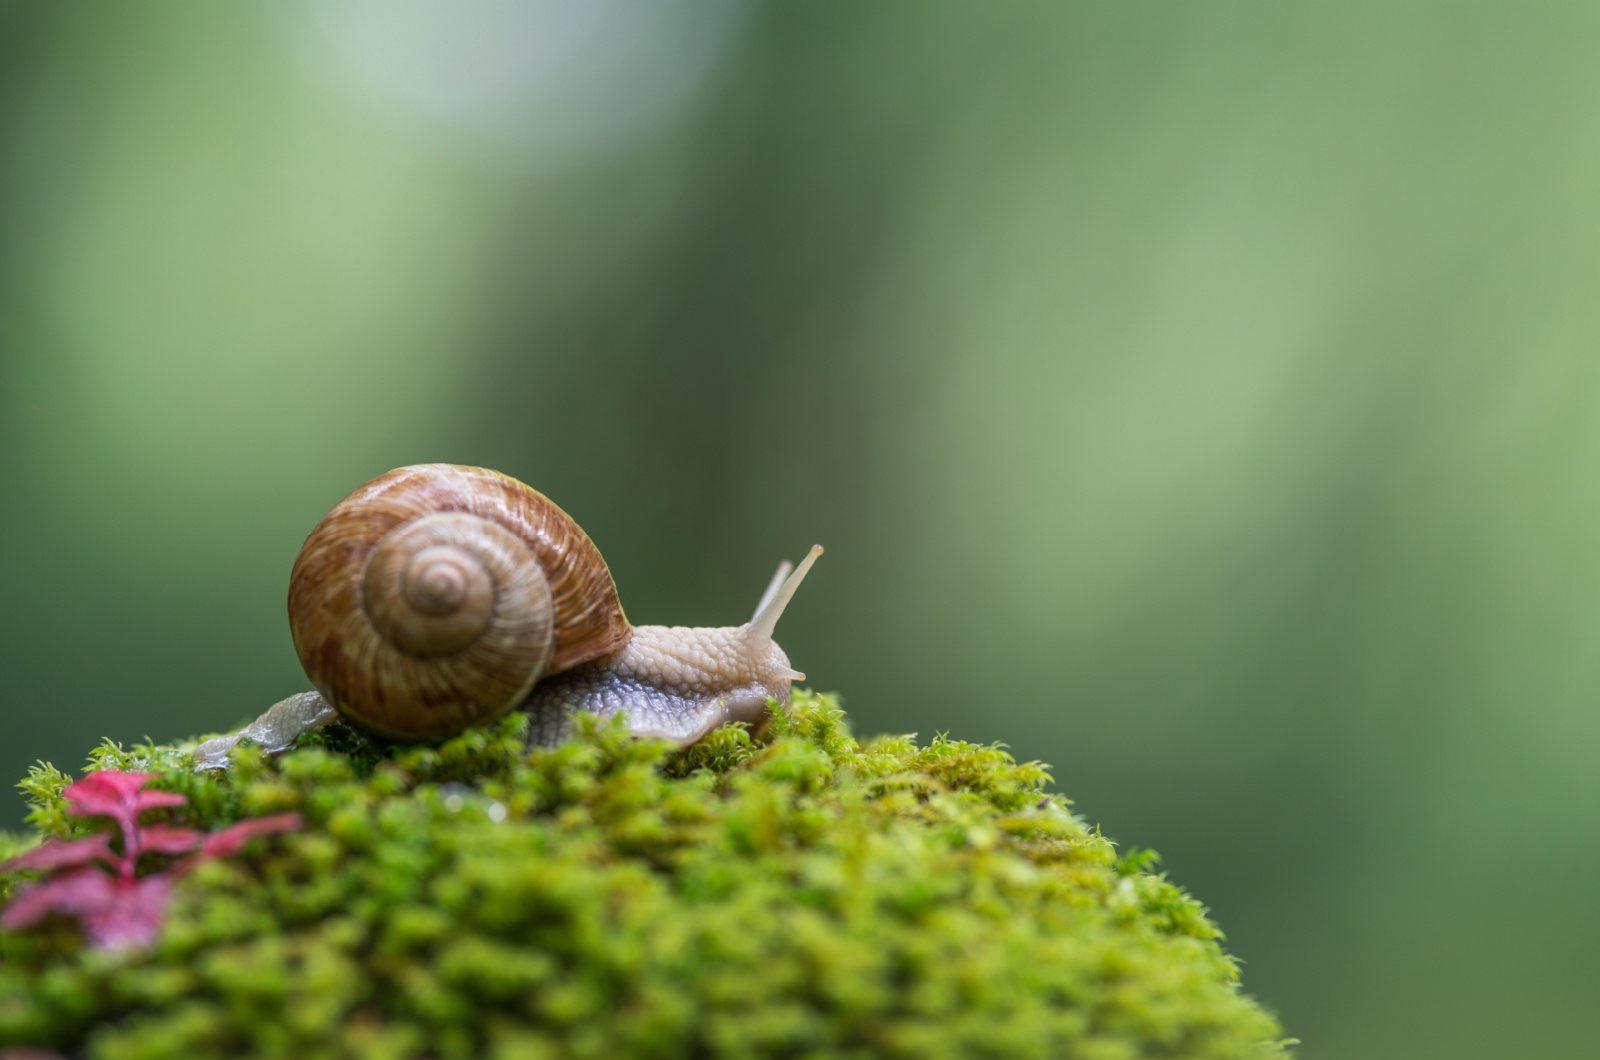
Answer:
(1200, 398)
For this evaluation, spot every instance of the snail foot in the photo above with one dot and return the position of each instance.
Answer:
(274, 732)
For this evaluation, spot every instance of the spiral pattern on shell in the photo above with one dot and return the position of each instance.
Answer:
(434, 597)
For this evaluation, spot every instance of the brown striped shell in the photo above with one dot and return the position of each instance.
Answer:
(433, 597)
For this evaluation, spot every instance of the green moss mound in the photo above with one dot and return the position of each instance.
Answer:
(808, 896)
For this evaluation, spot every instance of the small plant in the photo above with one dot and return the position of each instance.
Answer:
(99, 886)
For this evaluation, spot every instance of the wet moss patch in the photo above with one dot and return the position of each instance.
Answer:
(812, 895)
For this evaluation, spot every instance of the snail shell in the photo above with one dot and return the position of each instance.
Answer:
(434, 597)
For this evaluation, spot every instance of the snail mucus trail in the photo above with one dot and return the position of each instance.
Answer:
(440, 596)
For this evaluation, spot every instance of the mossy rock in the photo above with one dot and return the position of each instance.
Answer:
(807, 896)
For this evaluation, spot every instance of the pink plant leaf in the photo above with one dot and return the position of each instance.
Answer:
(114, 912)
(63, 853)
(165, 839)
(122, 909)
(71, 893)
(132, 915)
(150, 800)
(111, 793)
(230, 840)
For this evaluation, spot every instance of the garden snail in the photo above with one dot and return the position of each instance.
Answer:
(439, 596)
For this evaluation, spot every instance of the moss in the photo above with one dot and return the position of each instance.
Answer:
(808, 896)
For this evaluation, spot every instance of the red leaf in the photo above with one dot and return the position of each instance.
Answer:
(150, 800)
(72, 893)
(63, 853)
(120, 910)
(114, 912)
(132, 915)
(164, 839)
(111, 793)
(230, 840)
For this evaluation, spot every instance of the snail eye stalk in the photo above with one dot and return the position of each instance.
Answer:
(773, 603)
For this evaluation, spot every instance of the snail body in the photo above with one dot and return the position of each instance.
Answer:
(438, 596)
(678, 682)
